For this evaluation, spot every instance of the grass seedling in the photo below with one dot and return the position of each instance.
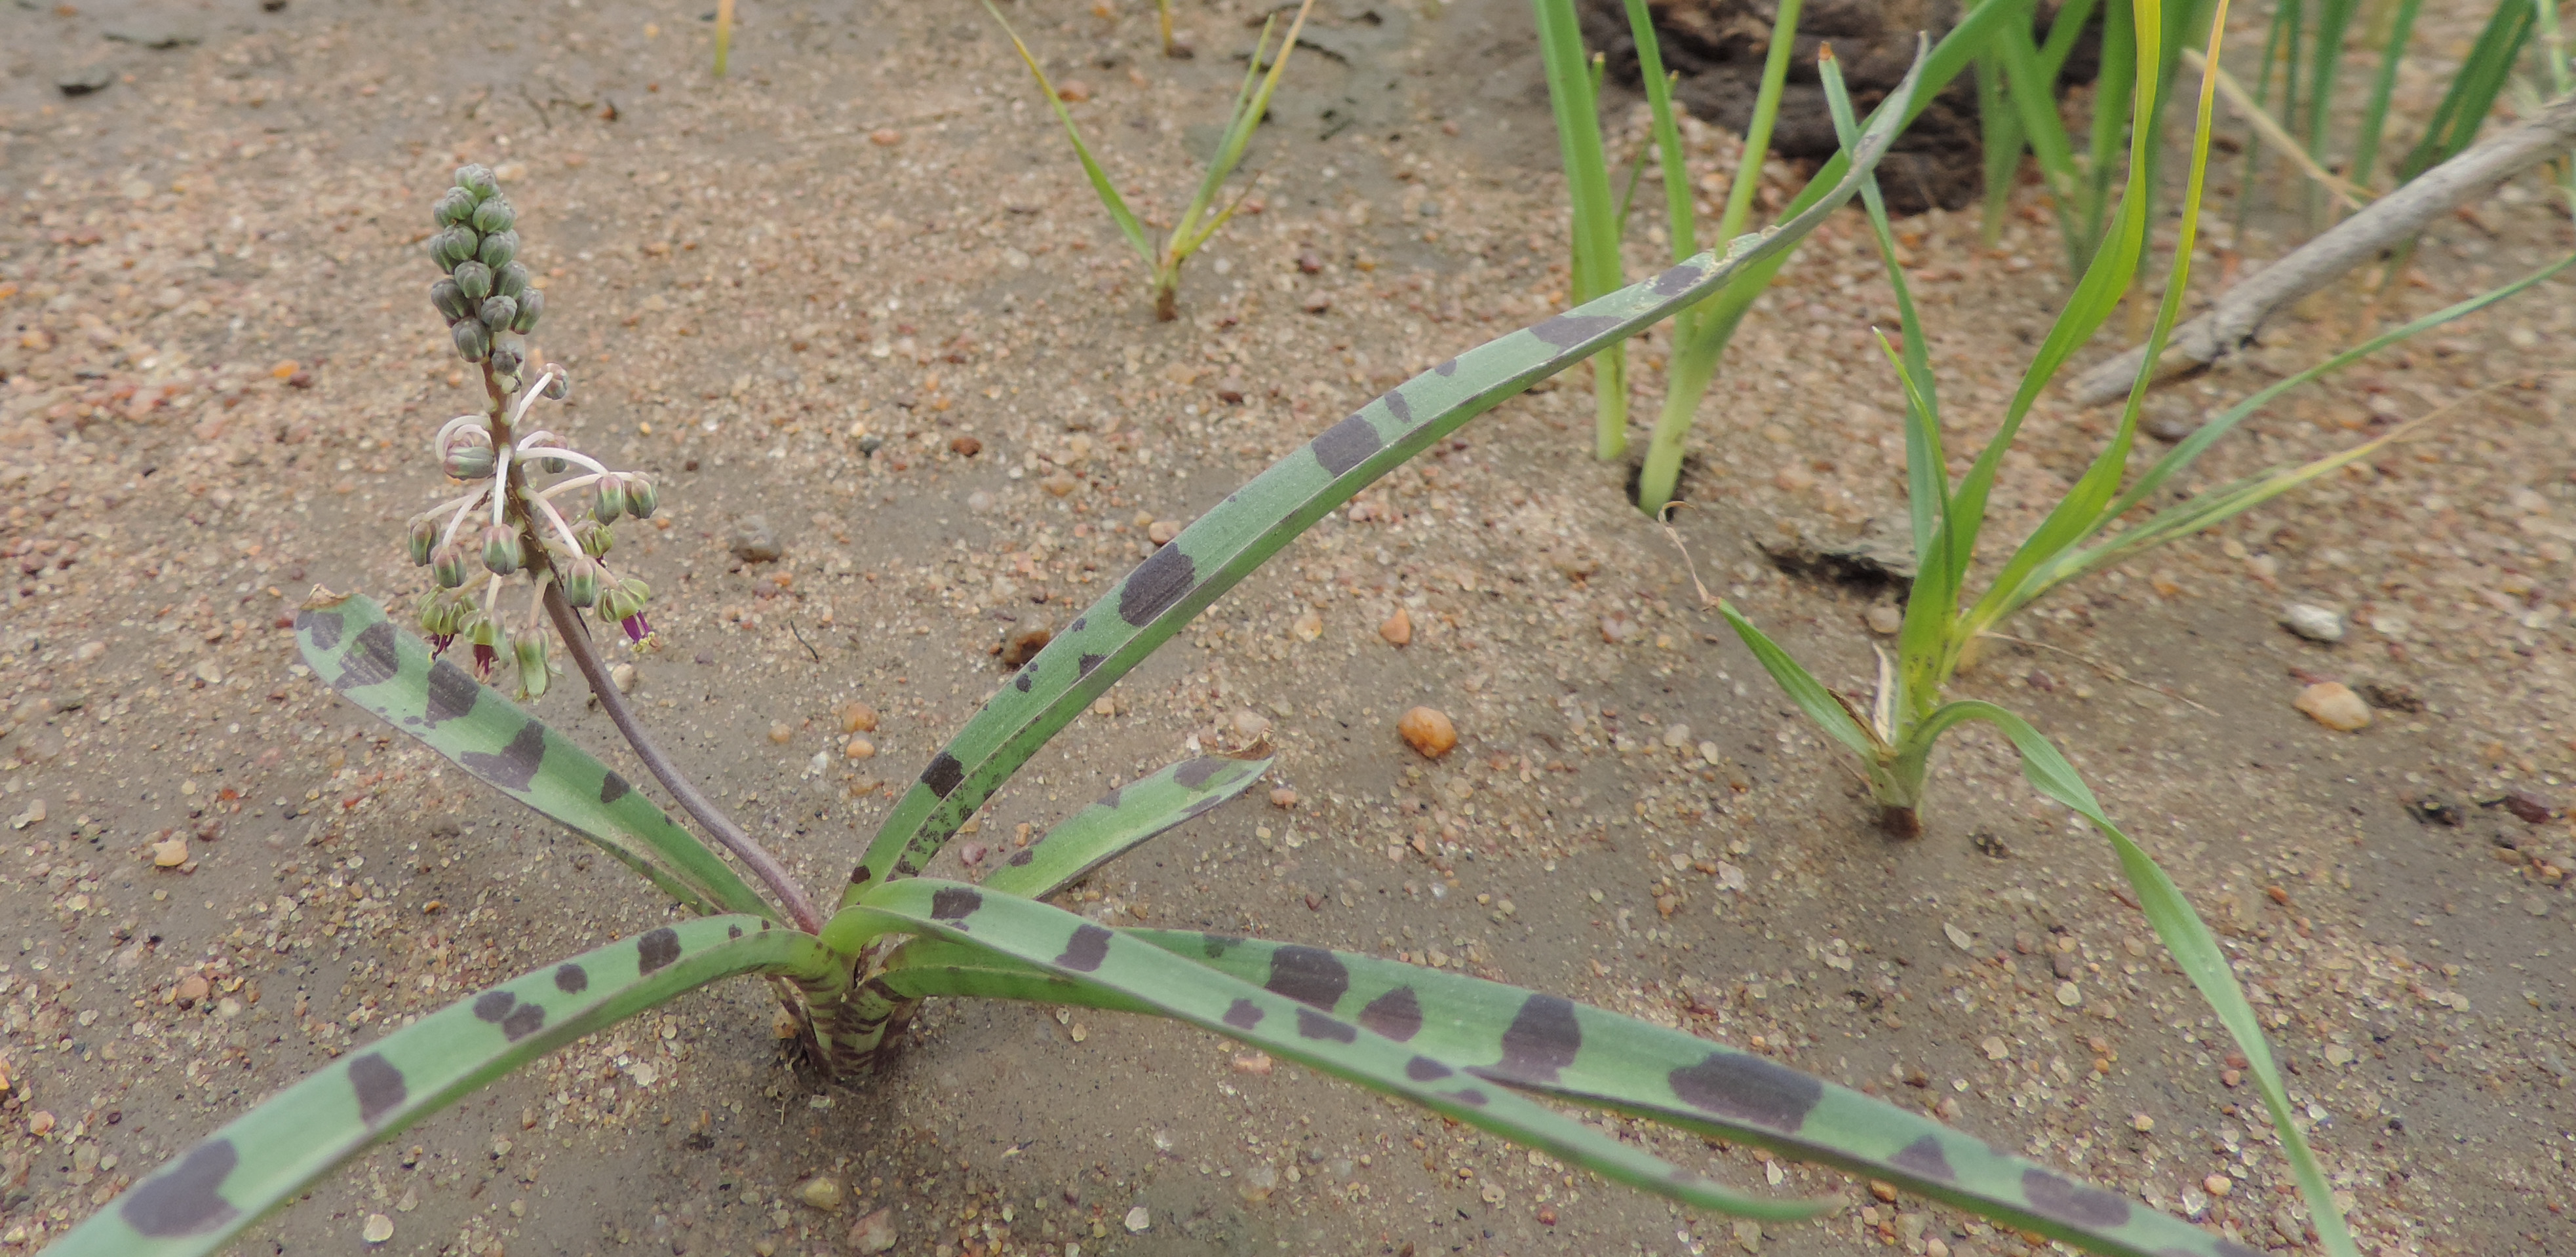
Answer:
(1894, 732)
(724, 34)
(1204, 216)
(1472, 1051)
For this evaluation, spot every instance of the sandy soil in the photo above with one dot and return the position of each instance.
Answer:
(221, 375)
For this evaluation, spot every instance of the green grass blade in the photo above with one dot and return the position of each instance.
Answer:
(2000, 135)
(2374, 116)
(1675, 1077)
(354, 649)
(1681, 219)
(1121, 819)
(2334, 18)
(2081, 512)
(1820, 704)
(1246, 118)
(2473, 89)
(2186, 938)
(1593, 267)
(2113, 90)
(2281, 32)
(1256, 521)
(1766, 114)
(1282, 1017)
(2034, 100)
(268, 1156)
(1927, 473)
(1128, 226)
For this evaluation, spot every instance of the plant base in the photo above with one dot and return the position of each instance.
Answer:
(1902, 823)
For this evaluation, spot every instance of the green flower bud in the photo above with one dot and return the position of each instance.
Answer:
(498, 249)
(447, 566)
(494, 215)
(510, 281)
(468, 454)
(497, 312)
(533, 673)
(455, 207)
(506, 359)
(642, 499)
(474, 279)
(454, 245)
(477, 180)
(532, 305)
(472, 343)
(612, 499)
(501, 553)
(561, 385)
(624, 601)
(450, 300)
(595, 538)
(581, 581)
(424, 536)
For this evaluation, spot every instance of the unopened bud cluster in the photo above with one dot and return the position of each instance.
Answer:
(473, 544)
(486, 295)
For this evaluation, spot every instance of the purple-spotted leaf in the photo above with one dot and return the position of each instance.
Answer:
(206, 1195)
(1120, 820)
(354, 649)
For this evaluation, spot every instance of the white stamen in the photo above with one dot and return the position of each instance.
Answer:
(560, 525)
(557, 451)
(574, 483)
(464, 510)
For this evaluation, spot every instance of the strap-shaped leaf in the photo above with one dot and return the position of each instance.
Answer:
(268, 1156)
(2185, 936)
(1121, 819)
(354, 649)
(1284, 1018)
(1179, 580)
(1574, 1051)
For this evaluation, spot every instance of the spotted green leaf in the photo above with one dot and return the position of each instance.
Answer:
(1121, 819)
(1284, 1018)
(1577, 1052)
(1256, 521)
(354, 649)
(202, 1199)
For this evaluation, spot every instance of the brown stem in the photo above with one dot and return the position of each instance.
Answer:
(1901, 823)
(745, 848)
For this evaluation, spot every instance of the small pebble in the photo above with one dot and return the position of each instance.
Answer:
(1283, 798)
(820, 1193)
(624, 677)
(885, 137)
(379, 1228)
(1307, 626)
(170, 853)
(1252, 1063)
(2141, 1123)
(873, 1233)
(1397, 629)
(2312, 622)
(1139, 1220)
(191, 989)
(965, 446)
(779, 733)
(2334, 705)
(1428, 732)
(858, 748)
(979, 501)
(754, 542)
(1677, 735)
(1161, 531)
(1885, 620)
(1317, 303)
(1249, 725)
(858, 718)
(2218, 1184)
(2069, 994)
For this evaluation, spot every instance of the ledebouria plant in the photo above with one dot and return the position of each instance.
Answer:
(1478, 1053)
(506, 524)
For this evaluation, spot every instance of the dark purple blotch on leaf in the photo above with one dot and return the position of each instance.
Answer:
(1565, 331)
(1470, 1095)
(513, 766)
(1087, 948)
(656, 949)
(1215, 945)
(955, 903)
(1308, 975)
(1675, 282)
(1083, 664)
(1244, 1015)
(371, 659)
(379, 1085)
(1542, 1039)
(571, 979)
(1346, 445)
(2072, 1203)
(1396, 1014)
(183, 1200)
(1021, 857)
(1397, 406)
(322, 626)
(1193, 774)
(1449, 367)
(523, 1021)
(1748, 1089)
(1425, 1069)
(452, 692)
(1924, 1157)
(1315, 1025)
(1163, 579)
(494, 1005)
(943, 774)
